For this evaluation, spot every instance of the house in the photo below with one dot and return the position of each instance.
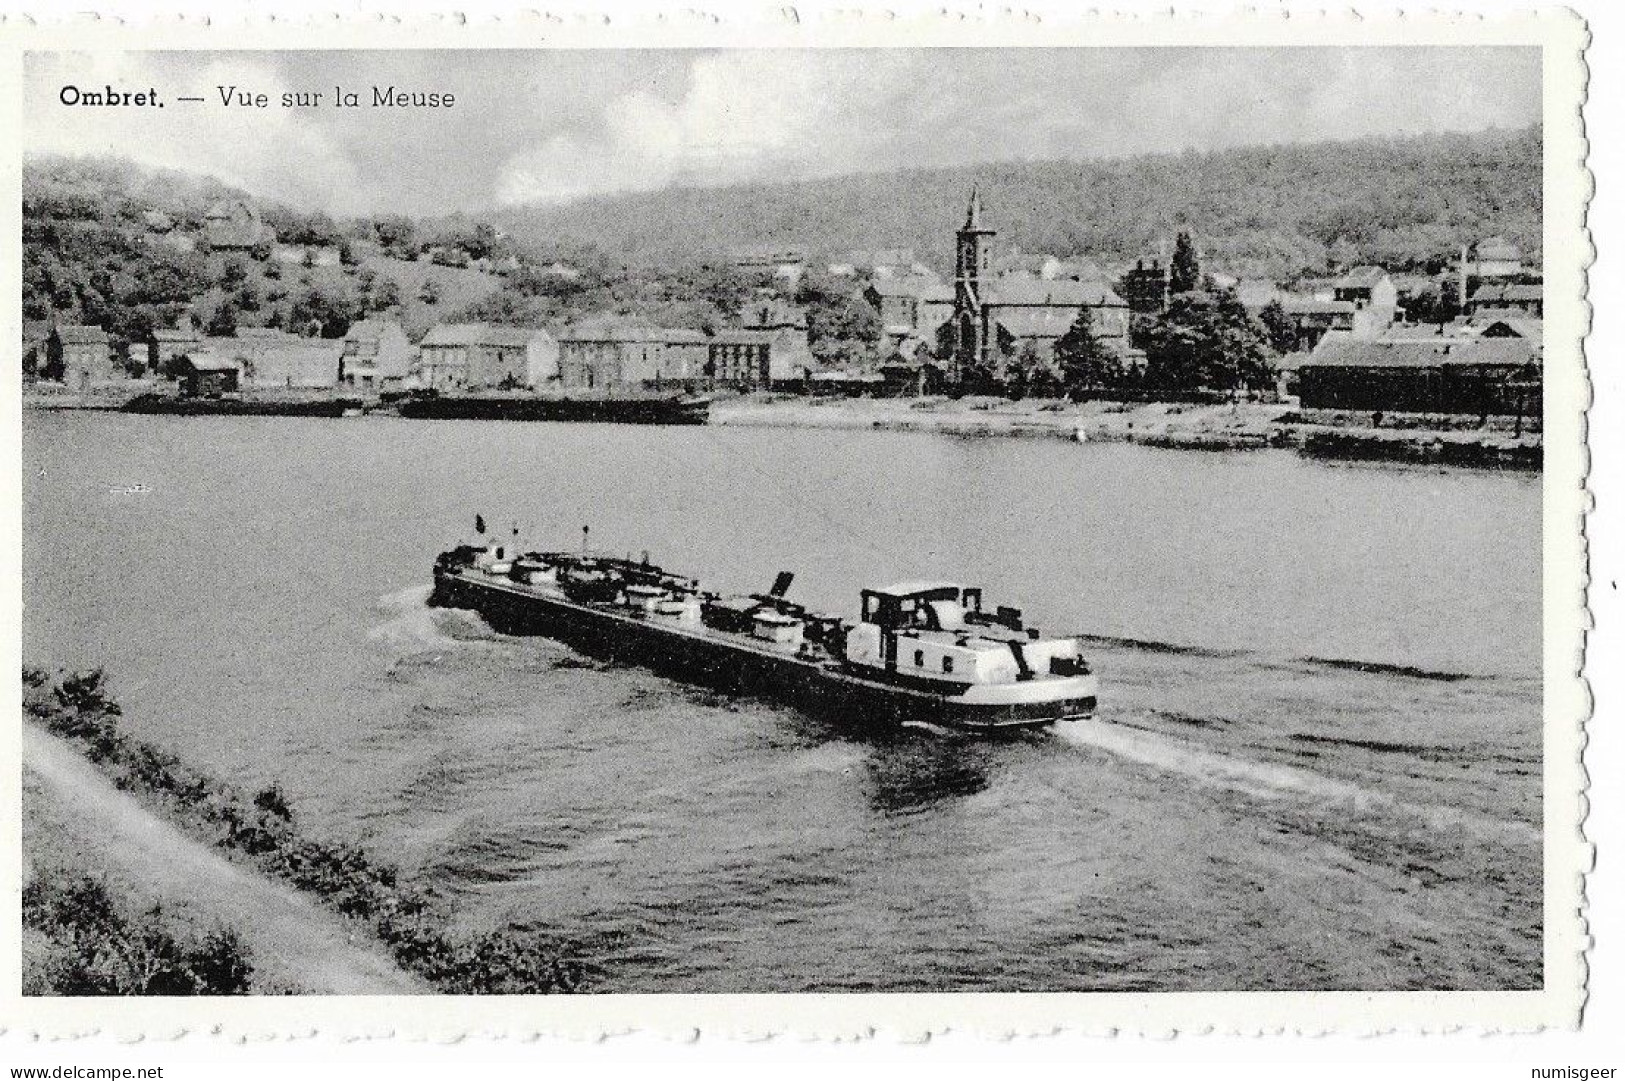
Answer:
(791, 358)
(741, 358)
(376, 353)
(1494, 257)
(208, 375)
(1499, 323)
(1312, 319)
(911, 304)
(880, 264)
(271, 358)
(1316, 288)
(595, 357)
(1524, 298)
(1442, 375)
(456, 356)
(234, 225)
(1374, 297)
(84, 355)
(323, 255)
(780, 262)
(168, 344)
(772, 313)
(1509, 325)
(1048, 268)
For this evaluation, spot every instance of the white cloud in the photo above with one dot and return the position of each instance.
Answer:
(271, 150)
(745, 116)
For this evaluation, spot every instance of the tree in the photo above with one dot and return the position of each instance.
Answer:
(1430, 305)
(223, 322)
(327, 309)
(1207, 341)
(841, 328)
(396, 235)
(1282, 331)
(382, 294)
(1086, 364)
(1185, 271)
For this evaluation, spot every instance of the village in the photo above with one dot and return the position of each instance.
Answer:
(1358, 346)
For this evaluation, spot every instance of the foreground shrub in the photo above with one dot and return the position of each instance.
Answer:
(94, 950)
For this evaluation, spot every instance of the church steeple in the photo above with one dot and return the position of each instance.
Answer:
(973, 213)
(973, 337)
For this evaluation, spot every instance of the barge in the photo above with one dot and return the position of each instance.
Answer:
(921, 652)
(170, 405)
(647, 409)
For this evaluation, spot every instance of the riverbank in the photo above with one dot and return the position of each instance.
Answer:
(1231, 426)
(76, 824)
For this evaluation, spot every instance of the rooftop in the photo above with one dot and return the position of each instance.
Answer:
(1497, 249)
(480, 334)
(1021, 292)
(1490, 293)
(742, 337)
(370, 329)
(211, 362)
(1310, 306)
(1362, 277)
(81, 335)
(919, 286)
(915, 588)
(1344, 351)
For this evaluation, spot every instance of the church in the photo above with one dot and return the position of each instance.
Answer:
(984, 316)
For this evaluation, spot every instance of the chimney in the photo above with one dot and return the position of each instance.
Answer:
(1461, 281)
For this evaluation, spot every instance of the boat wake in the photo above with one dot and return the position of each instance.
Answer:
(1380, 668)
(1259, 779)
(1275, 782)
(410, 626)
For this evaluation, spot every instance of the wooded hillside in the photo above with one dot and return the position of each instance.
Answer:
(1263, 210)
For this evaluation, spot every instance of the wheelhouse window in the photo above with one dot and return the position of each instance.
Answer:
(947, 665)
(919, 658)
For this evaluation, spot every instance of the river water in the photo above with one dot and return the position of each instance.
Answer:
(1316, 763)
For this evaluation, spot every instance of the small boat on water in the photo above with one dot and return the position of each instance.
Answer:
(921, 652)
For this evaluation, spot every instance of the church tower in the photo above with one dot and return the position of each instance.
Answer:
(973, 336)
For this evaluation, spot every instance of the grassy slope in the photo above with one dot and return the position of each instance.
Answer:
(457, 288)
(74, 820)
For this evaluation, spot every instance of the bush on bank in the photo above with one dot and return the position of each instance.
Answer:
(92, 949)
(263, 828)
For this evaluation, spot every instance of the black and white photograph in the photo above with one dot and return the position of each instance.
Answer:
(834, 521)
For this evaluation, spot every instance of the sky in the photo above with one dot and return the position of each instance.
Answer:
(551, 126)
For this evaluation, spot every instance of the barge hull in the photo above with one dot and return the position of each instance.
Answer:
(602, 410)
(815, 686)
(239, 407)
